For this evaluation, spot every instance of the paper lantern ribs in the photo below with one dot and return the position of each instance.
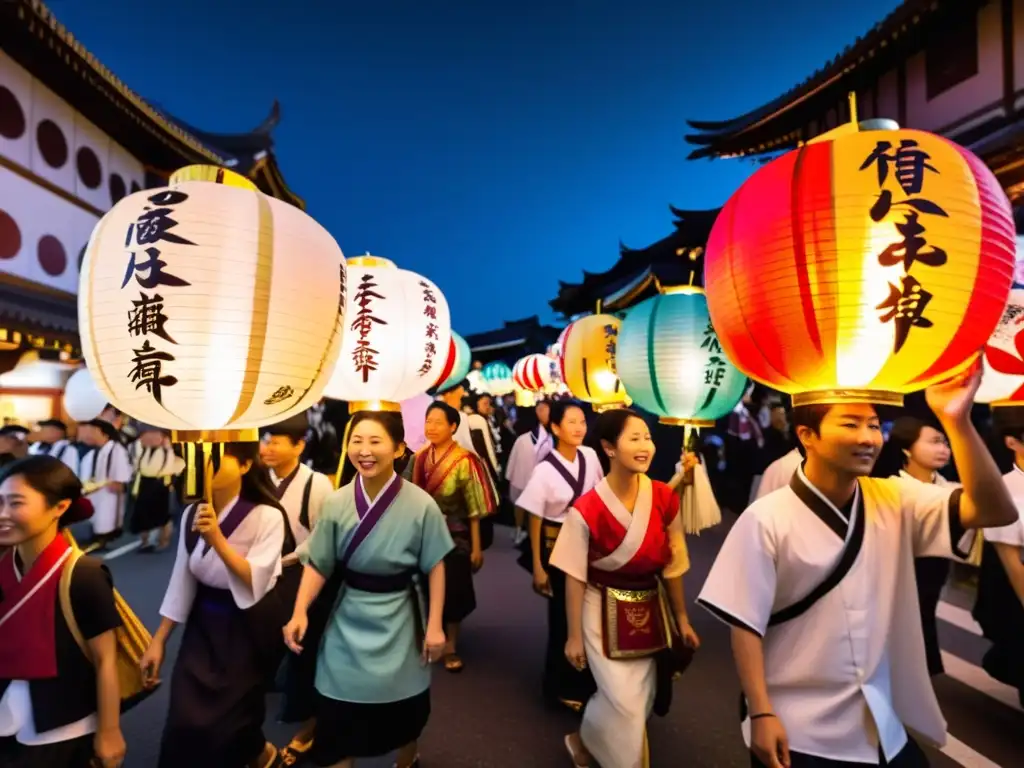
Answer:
(671, 363)
(861, 266)
(588, 348)
(536, 373)
(209, 308)
(397, 340)
(456, 368)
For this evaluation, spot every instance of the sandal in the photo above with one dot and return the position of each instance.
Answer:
(294, 752)
(272, 760)
(452, 663)
(572, 753)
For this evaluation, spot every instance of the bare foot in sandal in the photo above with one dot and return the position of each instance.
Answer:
(579, 754)
(452, 663)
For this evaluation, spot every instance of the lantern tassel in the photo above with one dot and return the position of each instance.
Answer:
(698, 506)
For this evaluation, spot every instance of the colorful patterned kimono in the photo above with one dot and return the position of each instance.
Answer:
(621, 555)
(462, 488)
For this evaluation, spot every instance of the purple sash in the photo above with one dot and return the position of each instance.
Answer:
(575, 483)
(228, 525)
(369, 514)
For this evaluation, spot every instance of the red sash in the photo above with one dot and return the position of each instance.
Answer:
(28, 649)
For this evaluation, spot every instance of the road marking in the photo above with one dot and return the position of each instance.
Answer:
(978, 679)
(958, 617)
(123, 550)
(960, 753)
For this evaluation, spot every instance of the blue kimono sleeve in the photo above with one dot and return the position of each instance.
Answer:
(436, 541)
(321, 548)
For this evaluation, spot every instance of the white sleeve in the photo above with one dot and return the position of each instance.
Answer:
(121, 469)
(1012, 534)
(935, 514)
(534, 497)
(740, 589)
(572, 548)
(264, 558)
(70, 458)
(518, 470)
(181, 589)
(322, 488)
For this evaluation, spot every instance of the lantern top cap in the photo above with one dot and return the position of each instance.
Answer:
(688, 290)
(212, 174)
(367, 260)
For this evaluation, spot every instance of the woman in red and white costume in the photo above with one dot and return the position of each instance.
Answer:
(620, 543)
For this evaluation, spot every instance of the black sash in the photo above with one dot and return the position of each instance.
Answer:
(228, 526)
(575, 483)
(842, 567)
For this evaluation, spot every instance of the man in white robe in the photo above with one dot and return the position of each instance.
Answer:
(105, 471)
(832, 676)
(473, 432)
(53, 441)
(528, 450)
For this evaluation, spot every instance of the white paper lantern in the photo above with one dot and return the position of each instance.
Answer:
(1002, 382)
(208, 307)
(398, 332)
(82, 400)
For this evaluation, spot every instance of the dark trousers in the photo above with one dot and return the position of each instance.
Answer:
(911, 756)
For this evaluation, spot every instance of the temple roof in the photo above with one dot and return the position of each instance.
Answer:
(49, 317)
(513, 340)
(32, 36)
(639, 271)
(778, 124)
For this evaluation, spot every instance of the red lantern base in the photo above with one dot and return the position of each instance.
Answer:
(840, 396)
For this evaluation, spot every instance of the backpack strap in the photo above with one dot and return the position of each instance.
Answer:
(304, 513)
(64, 590)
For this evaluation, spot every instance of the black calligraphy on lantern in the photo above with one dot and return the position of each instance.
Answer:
(716, 365)
(364, 356)
(907, 167)
(148, 317)
(280, 395)
(431, 332)
(611, 345)
(146, 264)
(148, 370)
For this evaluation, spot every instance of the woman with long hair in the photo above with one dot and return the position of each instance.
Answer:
(921, 449)
(620, 543)
(223, 589)
(57, 709)
(384, 536)
(567, 472)
(460, 484)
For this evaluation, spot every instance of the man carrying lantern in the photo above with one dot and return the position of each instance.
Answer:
(817, 583)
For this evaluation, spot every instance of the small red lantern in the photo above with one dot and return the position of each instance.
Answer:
(861, 266)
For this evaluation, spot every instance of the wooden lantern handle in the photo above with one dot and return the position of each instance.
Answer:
(208, 476)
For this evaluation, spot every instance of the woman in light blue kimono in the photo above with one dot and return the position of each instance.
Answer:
(387, 536)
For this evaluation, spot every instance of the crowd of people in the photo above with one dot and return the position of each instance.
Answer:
(346, 596)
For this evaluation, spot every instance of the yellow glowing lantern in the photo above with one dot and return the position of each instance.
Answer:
(588, 349)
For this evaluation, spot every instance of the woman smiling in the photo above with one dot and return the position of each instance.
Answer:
(383, 534)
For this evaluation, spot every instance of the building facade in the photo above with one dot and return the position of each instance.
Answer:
(514, 340)
(74, 139)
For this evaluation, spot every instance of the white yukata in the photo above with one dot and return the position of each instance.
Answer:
(847, 675)
(601, 535)
(302, 518)
(527, 451)
(109, 463)
(62, 449)
(776, 475)
(474, 422)
(547, 495)
(1012, 534)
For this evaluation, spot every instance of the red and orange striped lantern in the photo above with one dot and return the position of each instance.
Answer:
(536, 373)
(862, 266)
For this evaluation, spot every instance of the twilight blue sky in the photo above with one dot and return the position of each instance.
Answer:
(492, 146)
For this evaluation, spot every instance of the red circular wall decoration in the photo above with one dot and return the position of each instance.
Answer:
(12, 116)
(10, 236)
(89, 170)
(52, 144)
(52, 257)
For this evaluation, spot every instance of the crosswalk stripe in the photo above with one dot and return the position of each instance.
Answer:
(959, 752)
(123, 550)
(978, 679)
(958, 617)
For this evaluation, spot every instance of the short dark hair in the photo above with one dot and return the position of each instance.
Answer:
(810, 416)
(450, 414)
